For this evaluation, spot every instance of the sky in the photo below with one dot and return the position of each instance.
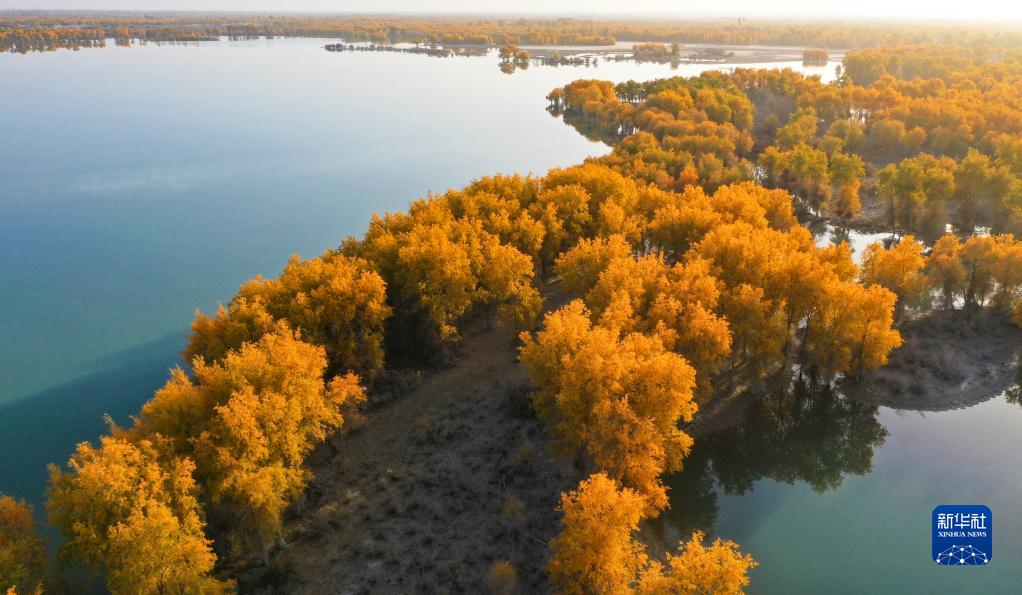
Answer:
(890, 9)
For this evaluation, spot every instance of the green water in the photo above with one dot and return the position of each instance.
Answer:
(137, 184)
(834, 496)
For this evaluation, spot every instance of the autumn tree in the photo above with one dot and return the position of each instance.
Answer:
(677, 303)
(898, 268)
(757, 328)
(336, 302)
(976, 257)
(697, 569)
(1006, 269)
(581, 266)
(678, 225)
(845, 171)
(442, 269)
(915, 193)
(595, 551)
(130, 512)
(249, 420)
(615, 397)
(851, 329)
(944, 269)
(22, 554)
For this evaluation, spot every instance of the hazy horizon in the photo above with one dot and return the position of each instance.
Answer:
(867, 10)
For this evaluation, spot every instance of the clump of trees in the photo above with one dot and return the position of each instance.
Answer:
(615, 398)
(924, 131)
(815, 57)
(696, 290)
(207, 470)
(982, 270)
(131, 511)
(220, 453)
(336, 302)
(597, 551)
(656, 52)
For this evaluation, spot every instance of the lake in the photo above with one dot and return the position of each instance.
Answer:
(138, 184)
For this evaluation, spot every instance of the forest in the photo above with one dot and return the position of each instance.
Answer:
(644, 286)
(27, 31)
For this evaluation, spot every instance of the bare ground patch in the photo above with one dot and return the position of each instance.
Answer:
(434, 487)
(949, 360)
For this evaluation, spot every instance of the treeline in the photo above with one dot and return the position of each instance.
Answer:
(981, 271)
(933, 151)
(38, 32)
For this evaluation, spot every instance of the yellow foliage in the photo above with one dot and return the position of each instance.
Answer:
(696, 569)
(1006, 269)
(439, 269)
(563, 333)
(335, 301)
(595, 552)
(898, 268)
(243, 321)
(150, 552)
(131, 512)
(757, 326)
(617, 398)
(839, 258)
(944, 268)
(249, 420)
(564, 211)
(682, 222)
(976, 257)
(852, 329)
(582, 265)
(22, 554)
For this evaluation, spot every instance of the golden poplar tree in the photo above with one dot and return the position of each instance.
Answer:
(130, 511)
(698, 569)
(22, 554)
(898, 268)
(595, 551)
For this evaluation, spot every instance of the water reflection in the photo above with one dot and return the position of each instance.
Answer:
(1014, 393)
(814, 436)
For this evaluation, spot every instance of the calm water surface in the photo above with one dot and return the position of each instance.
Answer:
(137, 184)
(832, 495)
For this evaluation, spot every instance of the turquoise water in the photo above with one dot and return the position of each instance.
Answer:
(835, 496)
